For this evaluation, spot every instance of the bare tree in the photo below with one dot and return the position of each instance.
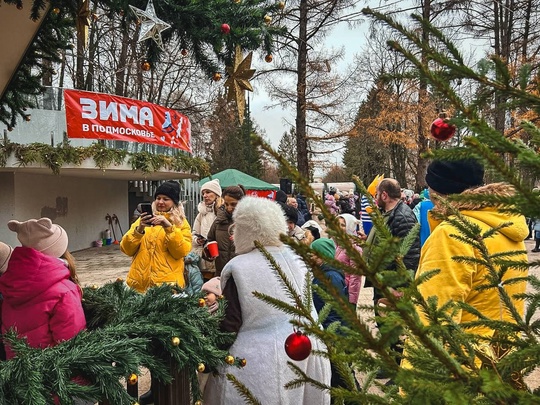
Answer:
(320, 92)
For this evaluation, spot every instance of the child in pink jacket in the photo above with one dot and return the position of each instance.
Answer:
(353, 281)
(42, 300)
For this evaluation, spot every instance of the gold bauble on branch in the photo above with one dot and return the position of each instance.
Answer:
(281, 5)
(229, 359)
(201, 367)
(133, 379)
(175, 341)
(202, 302)
(216, 77)
(267, 19)
(268, 58)
(56, 10)
(146, 66)
(243, 362)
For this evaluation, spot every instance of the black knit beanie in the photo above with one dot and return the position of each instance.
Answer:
(454, 177)
(171, 189)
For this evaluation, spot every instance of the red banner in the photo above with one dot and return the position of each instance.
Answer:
(271, 194)
(104, 116)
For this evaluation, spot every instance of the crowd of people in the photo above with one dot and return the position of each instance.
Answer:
(166, 249)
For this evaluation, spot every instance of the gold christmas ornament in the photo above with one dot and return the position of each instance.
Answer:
(229, 359)
(146, 66)
(94, 287)
(119, 280)
(202, 302)
(133, 379)
(198, 402)
(267, 19)
(216, 77)
(56, 10)
(268, 58)
(243, 362)
(238, 81)
(281, 5)
(175, 341)
(201, 368)
(151, 25)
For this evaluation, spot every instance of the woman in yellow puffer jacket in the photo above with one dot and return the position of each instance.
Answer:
(466, 281)
(158, 243)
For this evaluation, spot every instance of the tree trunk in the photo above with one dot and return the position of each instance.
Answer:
(421, 168)
(301, 130)
(121, 69)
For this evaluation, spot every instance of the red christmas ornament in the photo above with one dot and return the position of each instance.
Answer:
(298, 346)
(225, 28)
(441, 130)
(184, 52)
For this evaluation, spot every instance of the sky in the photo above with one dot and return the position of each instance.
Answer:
(274, 121)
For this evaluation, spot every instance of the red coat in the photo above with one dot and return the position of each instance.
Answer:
(40, 300)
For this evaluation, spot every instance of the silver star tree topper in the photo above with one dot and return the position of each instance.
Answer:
(151, 25)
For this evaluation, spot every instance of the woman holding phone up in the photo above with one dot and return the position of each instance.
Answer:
(158, 241)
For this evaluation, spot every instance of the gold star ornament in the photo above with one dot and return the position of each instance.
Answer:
(238, 81)
(83, 22)
(151, 25)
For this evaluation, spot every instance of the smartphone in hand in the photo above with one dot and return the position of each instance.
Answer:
(146, 209)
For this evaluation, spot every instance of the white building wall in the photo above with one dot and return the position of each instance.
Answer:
(79, 205)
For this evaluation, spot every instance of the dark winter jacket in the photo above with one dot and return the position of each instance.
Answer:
(219, 232)
(337, 279)
(303, 208)
(400, 220)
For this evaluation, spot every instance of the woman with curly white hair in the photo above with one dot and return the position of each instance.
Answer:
(262, 329)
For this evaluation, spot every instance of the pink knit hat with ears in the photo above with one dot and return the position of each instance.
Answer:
(213, 286)
(42, 235)
(5, 254)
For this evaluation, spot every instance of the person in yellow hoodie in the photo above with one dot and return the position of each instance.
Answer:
(158, 243)
(459, 281)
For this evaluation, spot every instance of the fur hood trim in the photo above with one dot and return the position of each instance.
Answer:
(504, 190)
(258, 219)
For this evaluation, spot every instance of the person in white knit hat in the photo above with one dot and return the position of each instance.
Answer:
(207, 213)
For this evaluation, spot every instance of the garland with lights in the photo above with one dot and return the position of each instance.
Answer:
(54, 157)
(126, 331)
